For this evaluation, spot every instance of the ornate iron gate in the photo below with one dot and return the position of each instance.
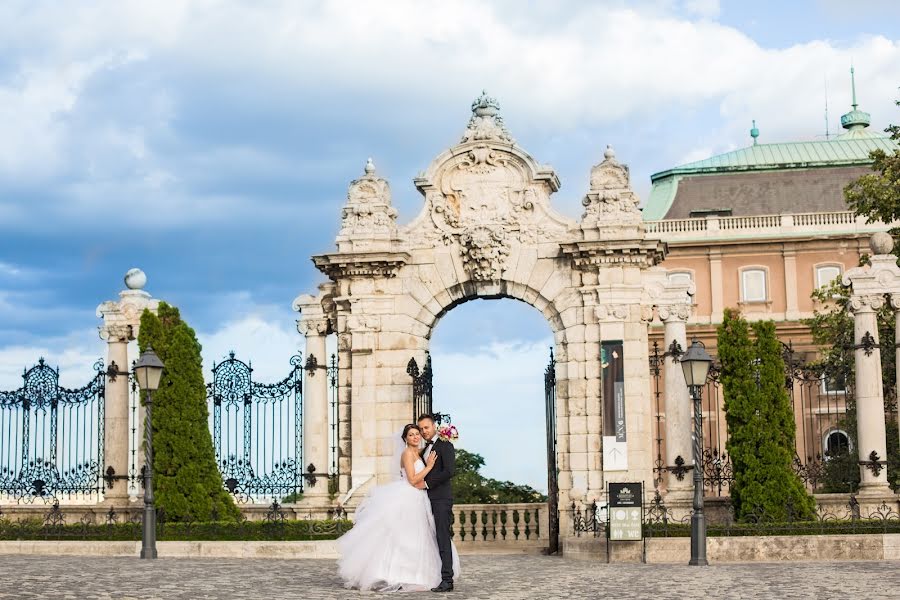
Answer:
(258, 431)
(552, 467)
(51, 438)
(422, 387)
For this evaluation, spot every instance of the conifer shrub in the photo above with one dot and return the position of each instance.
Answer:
(187, 482)
(760, 421)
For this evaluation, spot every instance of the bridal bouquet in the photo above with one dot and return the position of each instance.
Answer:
(448, 433)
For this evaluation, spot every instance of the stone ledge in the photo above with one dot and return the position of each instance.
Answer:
(741, 549)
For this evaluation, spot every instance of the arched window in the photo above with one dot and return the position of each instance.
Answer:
(680, 276)
(825, 274)
(836, 442)
(753, 285)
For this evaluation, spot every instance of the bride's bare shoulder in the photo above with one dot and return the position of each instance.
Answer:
(409, 453)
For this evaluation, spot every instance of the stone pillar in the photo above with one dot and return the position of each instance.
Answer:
(121, 323)
(315, 406)
(677, 402)
(895, 304)
(870, 426)
(116, 433)
(716, 285)
(792, 310)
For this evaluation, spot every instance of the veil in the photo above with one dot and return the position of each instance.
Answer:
(399, 447)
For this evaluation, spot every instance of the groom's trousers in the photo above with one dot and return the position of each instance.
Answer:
(442, 510)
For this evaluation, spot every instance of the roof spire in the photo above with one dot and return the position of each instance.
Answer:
(754, 132)
(855, 120)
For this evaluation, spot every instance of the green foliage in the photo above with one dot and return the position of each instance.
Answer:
(182, 531)
(760, 421)
(187, 482)
(471, 487)
(292, 498)
(876, 195)
(832, 331)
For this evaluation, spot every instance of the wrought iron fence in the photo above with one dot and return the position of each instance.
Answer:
(51, 437)
(258, 431)
(590, 519)
(820, 402)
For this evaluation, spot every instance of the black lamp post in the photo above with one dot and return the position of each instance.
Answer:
(695, 363)
(148, 370)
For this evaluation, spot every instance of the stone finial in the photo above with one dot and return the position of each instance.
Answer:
(368, 214)
(486, 124)
(135, 279)
(610, 200)
(881, 243)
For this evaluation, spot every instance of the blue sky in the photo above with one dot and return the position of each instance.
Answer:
(211, 144)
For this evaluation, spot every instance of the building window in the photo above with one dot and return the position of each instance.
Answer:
(680, 277)
(833, 384)
(825, 274)
(836, 442)
(753, 285)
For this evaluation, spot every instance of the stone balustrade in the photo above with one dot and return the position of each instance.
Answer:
(715, 226)
(503, 526)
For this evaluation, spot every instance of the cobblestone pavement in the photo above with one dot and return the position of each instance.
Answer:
(500, 577)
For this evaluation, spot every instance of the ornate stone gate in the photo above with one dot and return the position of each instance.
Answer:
(488, 230)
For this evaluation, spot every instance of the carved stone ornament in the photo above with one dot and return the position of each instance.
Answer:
(312, 326)
(363, 323)
(486, 195)
(486, 122)
(674, 312)
(368, 212)
(612, 312)
(866, 303)
(122, 317)
(610, 200)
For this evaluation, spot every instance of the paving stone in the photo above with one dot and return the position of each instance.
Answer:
(484, 577)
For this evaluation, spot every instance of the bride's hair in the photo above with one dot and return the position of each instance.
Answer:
(407, 428)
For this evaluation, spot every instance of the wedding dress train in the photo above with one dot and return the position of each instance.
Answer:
(392, 545)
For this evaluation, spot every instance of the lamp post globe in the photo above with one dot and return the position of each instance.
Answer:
(696, 363)
(148, 371)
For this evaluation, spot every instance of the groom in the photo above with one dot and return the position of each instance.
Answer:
(441, 495)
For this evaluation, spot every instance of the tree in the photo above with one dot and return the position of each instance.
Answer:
(187, 482)
(876, 195)
(471, 487)
(832, 330)
(760, 421)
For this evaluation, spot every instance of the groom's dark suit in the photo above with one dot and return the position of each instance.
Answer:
(441, 495)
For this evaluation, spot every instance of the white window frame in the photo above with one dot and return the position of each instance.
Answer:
(680, 272)
(827, 392)
(818, 268)
(829, 433)
(743, 280)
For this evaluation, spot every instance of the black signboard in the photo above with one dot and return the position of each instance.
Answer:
(612, 379)
(626, 514)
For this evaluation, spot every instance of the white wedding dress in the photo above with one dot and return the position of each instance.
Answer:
(392, 545)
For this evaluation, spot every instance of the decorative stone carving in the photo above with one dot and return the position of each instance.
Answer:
(612, 312)
(610, 201)
(368, 215)
(485, 196)
(122, 318)
(361, 264)
(313, 326)
(486, 122)
(864, 303)
(484, 252)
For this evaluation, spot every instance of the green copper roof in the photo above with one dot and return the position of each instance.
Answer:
(851, 148)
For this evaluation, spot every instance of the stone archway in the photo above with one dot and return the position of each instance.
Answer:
(487, 230)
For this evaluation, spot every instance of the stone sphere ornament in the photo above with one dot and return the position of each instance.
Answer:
(881, 243)
(135, 279)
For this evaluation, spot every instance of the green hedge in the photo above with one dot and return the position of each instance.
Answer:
(776, 529)
(177, 531)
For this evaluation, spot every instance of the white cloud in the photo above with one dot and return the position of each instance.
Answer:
(74, 354)
(708, 9)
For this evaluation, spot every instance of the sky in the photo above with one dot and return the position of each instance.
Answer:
(210, 143)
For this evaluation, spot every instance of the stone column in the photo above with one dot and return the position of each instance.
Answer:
(895, 304)
(116, 432)
(870, 427)
(315, 406)
(677, 402)
(121, 323)
(716, 285)
(792, 310)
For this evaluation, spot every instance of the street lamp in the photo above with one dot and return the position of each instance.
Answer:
(695, 363)
(148, 370)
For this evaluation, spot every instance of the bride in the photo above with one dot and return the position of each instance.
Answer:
(392, 544)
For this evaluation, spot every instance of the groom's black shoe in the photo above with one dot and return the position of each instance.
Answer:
(445, 586)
